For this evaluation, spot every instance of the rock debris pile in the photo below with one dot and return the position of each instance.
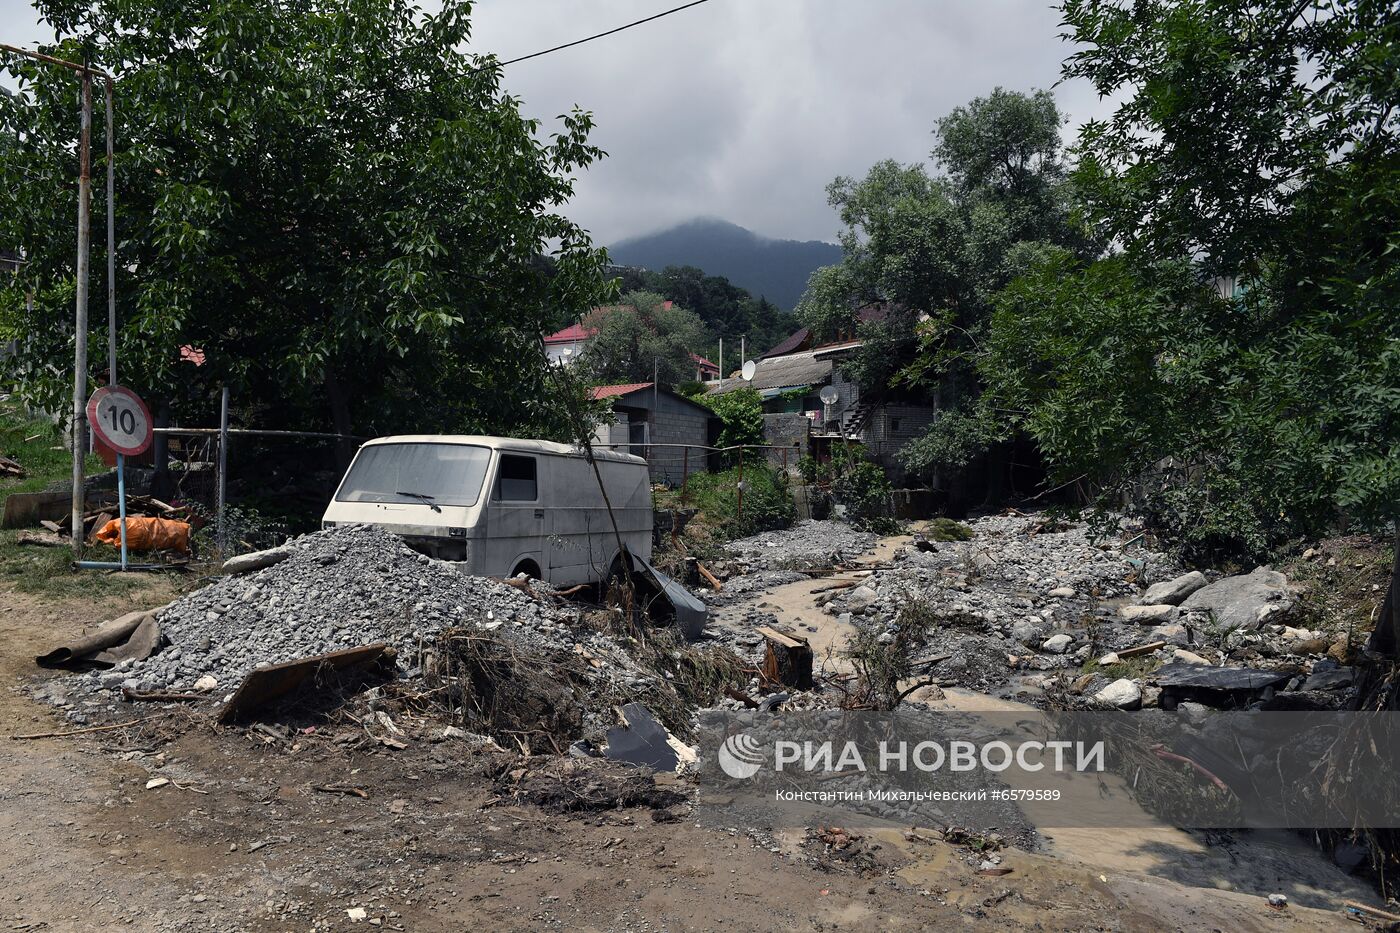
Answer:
(342, 587)
(806, 545)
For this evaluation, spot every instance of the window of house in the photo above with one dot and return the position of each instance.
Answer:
(894, 424)
(516, 479)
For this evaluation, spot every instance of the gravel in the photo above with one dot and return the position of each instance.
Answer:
(806, 545)
(339, 588)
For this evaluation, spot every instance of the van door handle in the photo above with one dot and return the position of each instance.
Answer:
(539, 513)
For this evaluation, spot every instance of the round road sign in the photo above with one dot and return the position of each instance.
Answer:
(120, 420)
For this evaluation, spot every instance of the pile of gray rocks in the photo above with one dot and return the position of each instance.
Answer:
(337, 588)
(806, 545)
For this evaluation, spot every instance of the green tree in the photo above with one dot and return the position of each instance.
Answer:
(728, 311)
(642, 339)
(1236, 370)
(340, 207)
(935, 248)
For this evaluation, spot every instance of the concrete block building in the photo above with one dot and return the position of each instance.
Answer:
(655, 423)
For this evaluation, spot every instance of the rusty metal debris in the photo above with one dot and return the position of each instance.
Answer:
(277, 680)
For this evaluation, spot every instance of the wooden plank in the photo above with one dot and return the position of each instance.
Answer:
(1141, 649)
(787, 641)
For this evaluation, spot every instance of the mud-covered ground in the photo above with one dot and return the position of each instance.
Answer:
(179, 824)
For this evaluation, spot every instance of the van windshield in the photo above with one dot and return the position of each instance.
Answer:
(423, 474)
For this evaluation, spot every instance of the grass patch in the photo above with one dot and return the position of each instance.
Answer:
(37, 445)
(1135, 668)
(946, 530)
(48, 571)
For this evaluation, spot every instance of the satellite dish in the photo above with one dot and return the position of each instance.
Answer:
(829, 395)
(750, 367)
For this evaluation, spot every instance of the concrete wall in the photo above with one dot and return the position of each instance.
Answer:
(789, 430)
(889, 428)
(643, 419)
(673, 420)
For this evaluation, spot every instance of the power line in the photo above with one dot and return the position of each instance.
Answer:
(600, 35)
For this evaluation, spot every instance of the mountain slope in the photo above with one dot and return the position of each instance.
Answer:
(774, 269)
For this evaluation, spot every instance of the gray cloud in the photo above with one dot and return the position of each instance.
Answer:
(746, 109)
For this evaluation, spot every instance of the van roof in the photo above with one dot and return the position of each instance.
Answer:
(507, 443)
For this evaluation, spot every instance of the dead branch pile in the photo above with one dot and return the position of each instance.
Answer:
(571, 785)
(522, 696)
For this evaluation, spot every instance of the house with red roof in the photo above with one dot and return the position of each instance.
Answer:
(564, 346)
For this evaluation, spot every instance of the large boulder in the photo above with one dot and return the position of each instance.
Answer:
(1057, 644)
(1148, 615)
(1122, 694)
(1172, 592)
(1244, 601)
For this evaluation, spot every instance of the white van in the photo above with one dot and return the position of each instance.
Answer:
(500, 506)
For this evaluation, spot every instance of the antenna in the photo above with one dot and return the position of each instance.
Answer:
(829, 395)
(750, 367)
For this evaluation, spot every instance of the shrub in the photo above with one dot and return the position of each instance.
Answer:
(864, 491)
(767, 502)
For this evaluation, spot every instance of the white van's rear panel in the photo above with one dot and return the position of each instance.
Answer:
(499, 505)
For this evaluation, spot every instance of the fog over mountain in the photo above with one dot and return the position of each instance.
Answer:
(772, 268)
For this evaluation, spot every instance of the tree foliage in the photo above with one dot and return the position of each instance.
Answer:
(340, 207)
(640, 340)
(741, 416)
(728, 311)
(1256, 148)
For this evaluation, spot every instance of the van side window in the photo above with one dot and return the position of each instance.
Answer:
(515, 481)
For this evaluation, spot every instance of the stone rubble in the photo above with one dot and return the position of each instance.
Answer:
(806, 545)
(337, 588)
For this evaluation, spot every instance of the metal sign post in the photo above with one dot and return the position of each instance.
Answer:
(122, 422)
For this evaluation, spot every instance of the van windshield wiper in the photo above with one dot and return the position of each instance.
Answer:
(432, 504)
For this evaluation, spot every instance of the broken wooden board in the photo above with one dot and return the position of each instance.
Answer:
(277, 680)
(787, 659)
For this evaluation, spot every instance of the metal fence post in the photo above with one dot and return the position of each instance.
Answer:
(740, 508)
(221, 483)
(685, 472)
(80, 317)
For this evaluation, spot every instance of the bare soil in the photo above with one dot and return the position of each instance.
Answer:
(242, 839)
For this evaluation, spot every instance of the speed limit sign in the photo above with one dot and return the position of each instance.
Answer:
(120, 420)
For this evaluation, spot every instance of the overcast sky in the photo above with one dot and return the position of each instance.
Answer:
(746, 109)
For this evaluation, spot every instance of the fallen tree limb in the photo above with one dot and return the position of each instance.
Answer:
(709, 577)
(107, 728)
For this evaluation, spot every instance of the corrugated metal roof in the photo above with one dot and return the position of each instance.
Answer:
(782, 372)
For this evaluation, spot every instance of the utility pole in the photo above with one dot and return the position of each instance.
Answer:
(80, 325)
(80, 322)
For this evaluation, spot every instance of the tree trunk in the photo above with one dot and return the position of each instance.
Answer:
(340, 418)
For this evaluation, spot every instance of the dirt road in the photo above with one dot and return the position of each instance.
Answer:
(241, 839)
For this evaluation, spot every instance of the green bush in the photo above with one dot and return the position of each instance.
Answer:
(741, 414)
(767, 502)
(863, 490)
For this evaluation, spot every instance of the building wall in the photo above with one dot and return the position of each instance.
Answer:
(788, 430)
(556, 354)
(675, 421)
(660, 419)
(891, 427)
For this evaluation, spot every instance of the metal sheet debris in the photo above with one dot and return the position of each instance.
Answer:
(277, 680)
(134, 635)
(691, 613)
